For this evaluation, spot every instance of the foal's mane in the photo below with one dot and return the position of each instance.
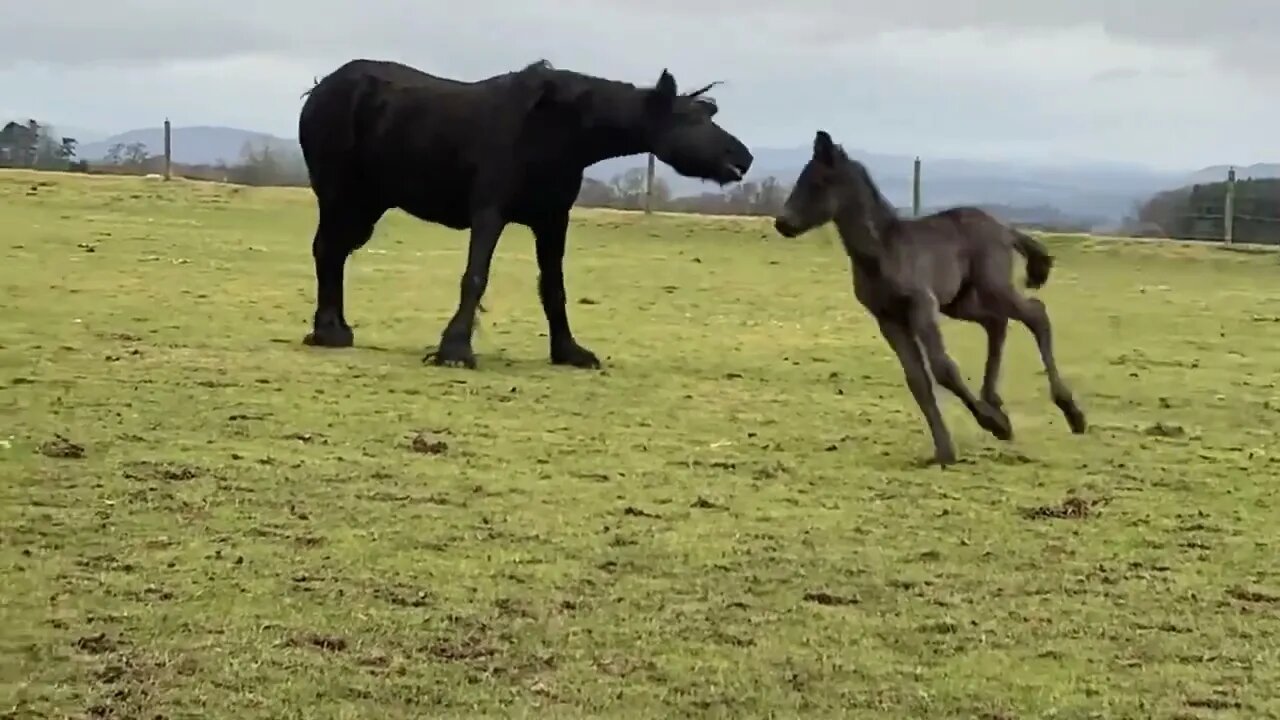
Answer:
(871, 193)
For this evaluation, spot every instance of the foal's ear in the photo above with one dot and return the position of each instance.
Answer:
(824, 149)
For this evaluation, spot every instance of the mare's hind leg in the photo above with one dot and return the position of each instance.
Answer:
(1032, 313)
(339, 233)
(924, 323)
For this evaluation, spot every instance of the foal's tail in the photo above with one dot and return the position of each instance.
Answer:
(1039, 261)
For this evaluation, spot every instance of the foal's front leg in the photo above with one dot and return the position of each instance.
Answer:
(904, 345)
(924, 323)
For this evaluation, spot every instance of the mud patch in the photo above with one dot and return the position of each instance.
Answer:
(315, 641)
(97, 644)
(403, 596)
(429, 443)
(704, 504)
(62, 448)
(160, 470)
(1166, 430)
(1253, 595)
(831, 600)
(1072, 508)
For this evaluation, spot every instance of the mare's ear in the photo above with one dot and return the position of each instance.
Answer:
(662, 98)
(824, 149)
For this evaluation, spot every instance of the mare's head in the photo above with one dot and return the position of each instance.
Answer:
(681, 131)
(817, 193)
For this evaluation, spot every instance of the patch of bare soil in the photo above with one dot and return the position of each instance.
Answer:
(1072, 508)
(429, 443)
(704, 504)
(316, 641)
(1253, 595)
(831, 600)
(156, 470)
(61, 447)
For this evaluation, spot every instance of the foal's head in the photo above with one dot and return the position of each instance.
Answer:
(829, 179)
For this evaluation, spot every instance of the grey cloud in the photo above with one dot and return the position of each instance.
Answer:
(1238, 32)
(789, 67)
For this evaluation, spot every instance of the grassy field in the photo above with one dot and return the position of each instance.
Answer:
(200, 517)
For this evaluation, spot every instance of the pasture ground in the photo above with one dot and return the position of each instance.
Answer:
(200, 517)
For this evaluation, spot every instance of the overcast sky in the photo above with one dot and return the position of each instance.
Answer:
(1167, 83)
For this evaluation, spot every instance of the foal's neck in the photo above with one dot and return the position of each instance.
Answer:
(864, 220)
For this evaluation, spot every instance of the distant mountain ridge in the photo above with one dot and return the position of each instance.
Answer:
(1101, 193)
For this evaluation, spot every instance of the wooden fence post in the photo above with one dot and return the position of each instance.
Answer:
(915, 188)
(648, 187)
(1229, 208)
(168, 150)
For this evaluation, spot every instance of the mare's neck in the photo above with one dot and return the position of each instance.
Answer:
(612, 116)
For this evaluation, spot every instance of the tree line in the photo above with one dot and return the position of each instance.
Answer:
(1198, 212)
(1194, 212)
(33, 145)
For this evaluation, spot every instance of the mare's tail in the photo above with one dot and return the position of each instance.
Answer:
(1039, 261)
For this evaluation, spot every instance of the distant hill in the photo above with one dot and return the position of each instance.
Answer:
(1218, 173)
(1101, 194)
(198, 145)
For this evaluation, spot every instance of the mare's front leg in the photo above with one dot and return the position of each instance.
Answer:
(549, 236)
(899, 337)
(924, 323)
(455, 342)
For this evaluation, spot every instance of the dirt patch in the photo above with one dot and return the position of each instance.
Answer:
(1166, 430)
(1253, 595)
(403, 596)
(831, 600)
(429, 443)
(97, 644)
(161, 470)
(1072, 508)
(326, 643)
(62, 448)
(1214, 702)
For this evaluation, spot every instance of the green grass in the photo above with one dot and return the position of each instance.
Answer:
(727, 522)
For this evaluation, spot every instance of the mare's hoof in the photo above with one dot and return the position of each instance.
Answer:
(941, 458)
(993, 420)
(330, 337)
(451, 356)
(575, 356)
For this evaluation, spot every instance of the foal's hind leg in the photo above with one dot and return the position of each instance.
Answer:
(1032, 313)
(924, 323)
(997, 329)
(970, 307)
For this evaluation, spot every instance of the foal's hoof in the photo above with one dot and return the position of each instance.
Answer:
(995, 421)
(575, 356)
(1075, 419)
(451, 356)
(330, 337)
